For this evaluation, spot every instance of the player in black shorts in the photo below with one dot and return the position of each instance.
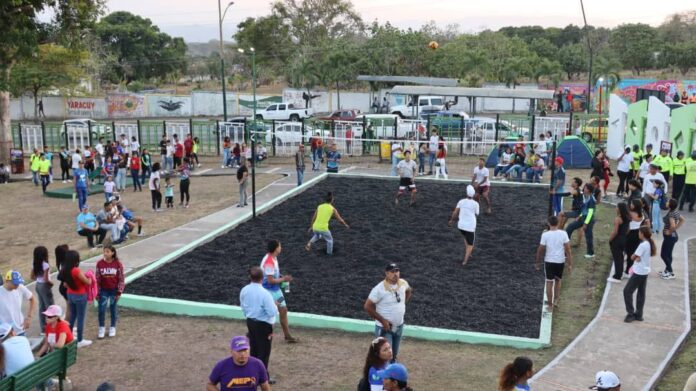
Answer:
(407, 172)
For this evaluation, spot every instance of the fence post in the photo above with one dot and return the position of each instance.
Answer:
(497, 125)
(89, 133)
(570, 125)
(43, 133)
(427, 124)
(113, 130)
(191, 127)
(21, 139)
(333, 128)
(531, 130)
(302, 130)
(396, 124)
(164, 126)
(218, 134)
(140, 134)
(273, 137)
(461, 137)
(253, 176)
(553, 177)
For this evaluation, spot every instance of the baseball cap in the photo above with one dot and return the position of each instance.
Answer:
(5, 329)
(392, 266)
(470, 192)
(394, 371)
(605, 380)
(53, 310)
(559, 160)
(14, 276)
(239, 343)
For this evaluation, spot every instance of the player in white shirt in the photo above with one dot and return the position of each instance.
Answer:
(407, 174)
(466, 210)
(555, 247)
(482, 184)
(639, 275)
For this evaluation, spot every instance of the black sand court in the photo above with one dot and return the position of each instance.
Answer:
(497, 292)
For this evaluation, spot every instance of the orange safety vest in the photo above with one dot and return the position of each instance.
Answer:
(693, 99)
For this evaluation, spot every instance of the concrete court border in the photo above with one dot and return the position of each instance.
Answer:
(192, 308)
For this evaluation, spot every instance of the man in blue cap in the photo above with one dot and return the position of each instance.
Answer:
(12, 293)
(395, 377)
(240, 372)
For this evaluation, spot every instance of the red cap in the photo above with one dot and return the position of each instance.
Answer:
(559, 161)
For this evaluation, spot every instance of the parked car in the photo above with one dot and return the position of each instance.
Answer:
(342, 115)
(285, 112)
(289, 133)
(485, 129)
(590, 130)
(426, 104)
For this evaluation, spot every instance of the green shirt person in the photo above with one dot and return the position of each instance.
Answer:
(320, 224)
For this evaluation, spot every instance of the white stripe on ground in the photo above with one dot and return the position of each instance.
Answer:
(203, 171)
(348, 169)
(272, 170)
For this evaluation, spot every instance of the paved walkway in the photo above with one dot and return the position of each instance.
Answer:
(637, 352)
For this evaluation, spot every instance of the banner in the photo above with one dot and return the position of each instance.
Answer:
(261, 102)
(85, 108)
(319, 99)
(169, 105)
(126, 105)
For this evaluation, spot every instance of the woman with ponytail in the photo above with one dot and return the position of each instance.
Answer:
(515, 375)
(639, 275)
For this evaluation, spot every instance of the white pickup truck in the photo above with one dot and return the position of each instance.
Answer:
(284, 112)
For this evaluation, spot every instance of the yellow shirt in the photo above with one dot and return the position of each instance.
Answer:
(678, 166)
(44, 166)
(637, 156)
(690, 172)
(324, 213)
(34, 160)
(665, 163)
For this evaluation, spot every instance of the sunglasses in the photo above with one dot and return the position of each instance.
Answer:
(398, 297)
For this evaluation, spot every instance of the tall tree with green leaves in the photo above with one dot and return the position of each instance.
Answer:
(573, 59)
(635, 45)
(23, 32)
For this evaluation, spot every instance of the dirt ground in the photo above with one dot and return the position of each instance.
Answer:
(29, 219)
(447, 295)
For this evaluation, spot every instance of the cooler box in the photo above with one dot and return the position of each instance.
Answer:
(385, 150)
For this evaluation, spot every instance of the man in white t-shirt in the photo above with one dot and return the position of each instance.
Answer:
(466, 210)
(386, 304)
(482, 184)
(76, 158)
(540, 149)
(555, 247)
(432, 147)
(124, 143)
(100, 151)
(17, 350)
(407, 174)
(134, 145)
(397, 152)
(12, 293)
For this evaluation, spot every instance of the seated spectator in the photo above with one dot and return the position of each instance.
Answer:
(606, 381)
(261, 152)
(106, 221)
(518, 164)
(536, 169)
(57, 333)
(16, 348)
(4, 174)
(88, 226)
(504, 162)
(132, 219)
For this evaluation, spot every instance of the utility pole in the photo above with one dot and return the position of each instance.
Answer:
(221, 17)
(589, 50)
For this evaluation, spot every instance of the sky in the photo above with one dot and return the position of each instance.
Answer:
(197, 20)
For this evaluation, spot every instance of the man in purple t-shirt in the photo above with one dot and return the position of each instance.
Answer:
(239, 372)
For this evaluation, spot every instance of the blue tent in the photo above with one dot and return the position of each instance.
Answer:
(575, 152)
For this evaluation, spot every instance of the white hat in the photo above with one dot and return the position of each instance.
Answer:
(470, 192)
(606, 380)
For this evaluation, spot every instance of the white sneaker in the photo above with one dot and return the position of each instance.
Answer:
(668, 276)
(612, 279)
(198, 165)
(100, 335)
(69, 180)
(141, 234)
(83, 343)
(65, 182)
(223, 166)
(74, 331)
(112, 331)
(625, 275)
(589, 256)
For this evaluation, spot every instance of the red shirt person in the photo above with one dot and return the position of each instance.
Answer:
(188, 145)
(58, 333)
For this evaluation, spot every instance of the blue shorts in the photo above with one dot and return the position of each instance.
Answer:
(279, 298)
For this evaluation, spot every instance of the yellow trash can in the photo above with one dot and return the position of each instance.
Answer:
(385, 150)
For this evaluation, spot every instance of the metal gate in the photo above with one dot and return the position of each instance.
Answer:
(32, 138)
(127, 128)
(233, 130)
(181, 129)
(78, 136)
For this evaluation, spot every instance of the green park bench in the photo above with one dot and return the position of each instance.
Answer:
(53, 364)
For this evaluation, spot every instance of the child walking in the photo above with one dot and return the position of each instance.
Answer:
(111, 285)
(109, 186)
(168, 193)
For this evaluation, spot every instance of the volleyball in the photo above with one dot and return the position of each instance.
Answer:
(433, 45)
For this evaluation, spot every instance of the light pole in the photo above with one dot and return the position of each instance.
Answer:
(599, 130)
(221, 16)
(252, 53)
(589, 50)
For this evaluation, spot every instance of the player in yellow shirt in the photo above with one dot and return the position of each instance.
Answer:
(44, 167)
(320, 224)
(689, 193)
(34, 166)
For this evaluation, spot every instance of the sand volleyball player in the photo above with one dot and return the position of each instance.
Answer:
(466, 210)
(320, 224)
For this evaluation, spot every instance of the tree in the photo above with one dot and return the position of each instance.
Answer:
(23, 32)
(141, 50)
(679, 27)
(680, 55)
(573, 59)
(635, 46)
(543, 48)
(314, 22)
(269, 37)
(54, 67)
(609, 69)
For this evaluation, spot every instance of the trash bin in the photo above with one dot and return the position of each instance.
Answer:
(385, 150)
(17, 161)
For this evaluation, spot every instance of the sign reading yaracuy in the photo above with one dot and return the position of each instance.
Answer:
(85, 107)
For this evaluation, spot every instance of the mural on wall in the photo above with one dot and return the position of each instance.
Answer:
(169, 105)
(319, 101)
(578, 92)
(126, 105)
(627, 89)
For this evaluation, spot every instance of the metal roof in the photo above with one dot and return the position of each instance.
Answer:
(506, 93)
(429, 81)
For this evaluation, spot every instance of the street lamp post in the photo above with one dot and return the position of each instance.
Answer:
(221, 17)
(599, 130)
(589, 51)
(252, 53)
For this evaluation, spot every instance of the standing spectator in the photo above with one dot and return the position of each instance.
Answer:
(422, 153)
(243, 180)
(644, 169)
(333, 158)
(673, 221)
(689, 184)
(154, 186)
(125, 144)
(169, 161)
(407, 174)
(466, 211)
(134, 145)
(194, 151)
(657, 201)
(57, 331)
(515, 375)
(555, 247)
(637, 156)
(88, 156)
(606, 173)
(81, 184)
(586, 219)
(34, 160)
(678, 175)
(441, 155)
(559, 101)
(77, 284)
(64, 157)
(40, 271)
(272, 281)
(617, 240)
(49, 157)
(178, 152)
(44, 172)
(60, 251)
(12, 293)
(134, 165)
(260, 311)
(386, 304)
(635, 211)
(597, 164)
(41, 109)
(557, 184)
(432, 147)
(639, 278)
(482, 184)
(378, 358)
(188, 146)
(316, 147)
(349, 141)
(146, 165)
(239, 372)
(4, 174)
(397, 154)
(111, 283)
(236, 156)
(375, 107)
(664, 162)
(607, 381)
(163, 150)
(385, 104)
(15, 350)
(395, 378)
(76, 159)
(624, 170)
(569, 101)
(226, 145)
(100, 151)
(300, 164)
(185, 182)
(88, 226)
(122, 169)
(320, 224)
